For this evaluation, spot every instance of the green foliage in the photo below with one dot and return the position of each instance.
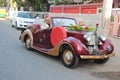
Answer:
(57, 2)
(3, 3)
(80, 28)
(68, 1)
(44, 1)
(90, 29)
(17, 1)
(35, 4)
(71, 27)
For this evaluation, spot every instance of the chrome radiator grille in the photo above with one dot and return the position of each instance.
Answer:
(92, 41)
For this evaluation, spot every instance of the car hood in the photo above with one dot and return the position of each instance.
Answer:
(77, 34)
(27, 19)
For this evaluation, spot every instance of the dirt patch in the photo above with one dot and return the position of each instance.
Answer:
(107, 75)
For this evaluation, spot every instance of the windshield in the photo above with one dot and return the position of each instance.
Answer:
(25, 15)
(64, 22)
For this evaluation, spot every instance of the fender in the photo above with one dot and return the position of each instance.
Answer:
(28, 33)
(77, 46)
(107, 43)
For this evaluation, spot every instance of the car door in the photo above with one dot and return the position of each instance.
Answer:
(46, 38)
(38, 39)
(41, 39)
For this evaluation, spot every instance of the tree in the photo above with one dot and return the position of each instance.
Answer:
(19, 3)
(32, 3)
(68, 1)
(57, 2)
(35, 4)
(3, 3)
(44, 5)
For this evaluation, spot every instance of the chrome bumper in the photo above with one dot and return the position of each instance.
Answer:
(96, 56)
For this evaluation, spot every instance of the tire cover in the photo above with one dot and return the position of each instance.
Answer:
(57, 35)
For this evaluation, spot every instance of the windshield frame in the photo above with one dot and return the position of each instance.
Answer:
(64, 18)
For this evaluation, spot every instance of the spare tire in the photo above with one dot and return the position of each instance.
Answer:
(57, 35)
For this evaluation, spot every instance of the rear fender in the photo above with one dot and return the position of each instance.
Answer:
(77, 46)
(29, 34)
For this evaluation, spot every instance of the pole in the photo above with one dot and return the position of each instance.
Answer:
(106, 14)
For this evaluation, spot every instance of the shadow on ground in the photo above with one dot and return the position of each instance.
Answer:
(112, 75)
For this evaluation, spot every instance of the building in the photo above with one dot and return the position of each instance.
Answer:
(116, 3)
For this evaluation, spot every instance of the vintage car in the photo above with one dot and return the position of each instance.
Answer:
(70, 44)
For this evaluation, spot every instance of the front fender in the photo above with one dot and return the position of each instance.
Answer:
(77, 46)
(29, 34)
(107, 43)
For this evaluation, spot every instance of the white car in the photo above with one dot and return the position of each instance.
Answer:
(22, 19)
(39, 18)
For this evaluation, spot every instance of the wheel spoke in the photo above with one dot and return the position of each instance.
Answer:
(68, 57)
(27, 43)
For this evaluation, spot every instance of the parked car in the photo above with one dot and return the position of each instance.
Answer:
(71, 44)
(39, 18)
(22, 19)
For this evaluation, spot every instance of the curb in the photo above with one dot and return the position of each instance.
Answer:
(2, 18)
(7, 18)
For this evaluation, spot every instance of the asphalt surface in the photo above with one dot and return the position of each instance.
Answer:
(17, 63)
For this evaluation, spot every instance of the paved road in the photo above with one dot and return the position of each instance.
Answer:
(17, 63)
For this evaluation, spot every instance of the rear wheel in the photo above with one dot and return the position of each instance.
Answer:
(27, 43)
(69, 57)
(101, 61)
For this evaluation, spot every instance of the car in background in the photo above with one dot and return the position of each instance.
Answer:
(39, 18)
(22, 19)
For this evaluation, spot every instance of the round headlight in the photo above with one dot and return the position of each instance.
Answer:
(109, 48)
(103, 37)
(87, 37)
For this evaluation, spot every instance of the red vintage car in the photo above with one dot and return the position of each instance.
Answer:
(70, 44)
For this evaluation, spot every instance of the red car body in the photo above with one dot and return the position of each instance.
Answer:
(70, 45)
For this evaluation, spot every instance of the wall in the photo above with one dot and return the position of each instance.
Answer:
(75, 9)
(89, 19)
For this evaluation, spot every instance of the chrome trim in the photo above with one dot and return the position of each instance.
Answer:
(96, 56)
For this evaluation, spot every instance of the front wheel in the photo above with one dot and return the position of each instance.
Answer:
(69, 57)
(101, 61)
(27, 43)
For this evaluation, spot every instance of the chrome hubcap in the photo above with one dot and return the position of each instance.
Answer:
(68, 57)
(28, 43)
